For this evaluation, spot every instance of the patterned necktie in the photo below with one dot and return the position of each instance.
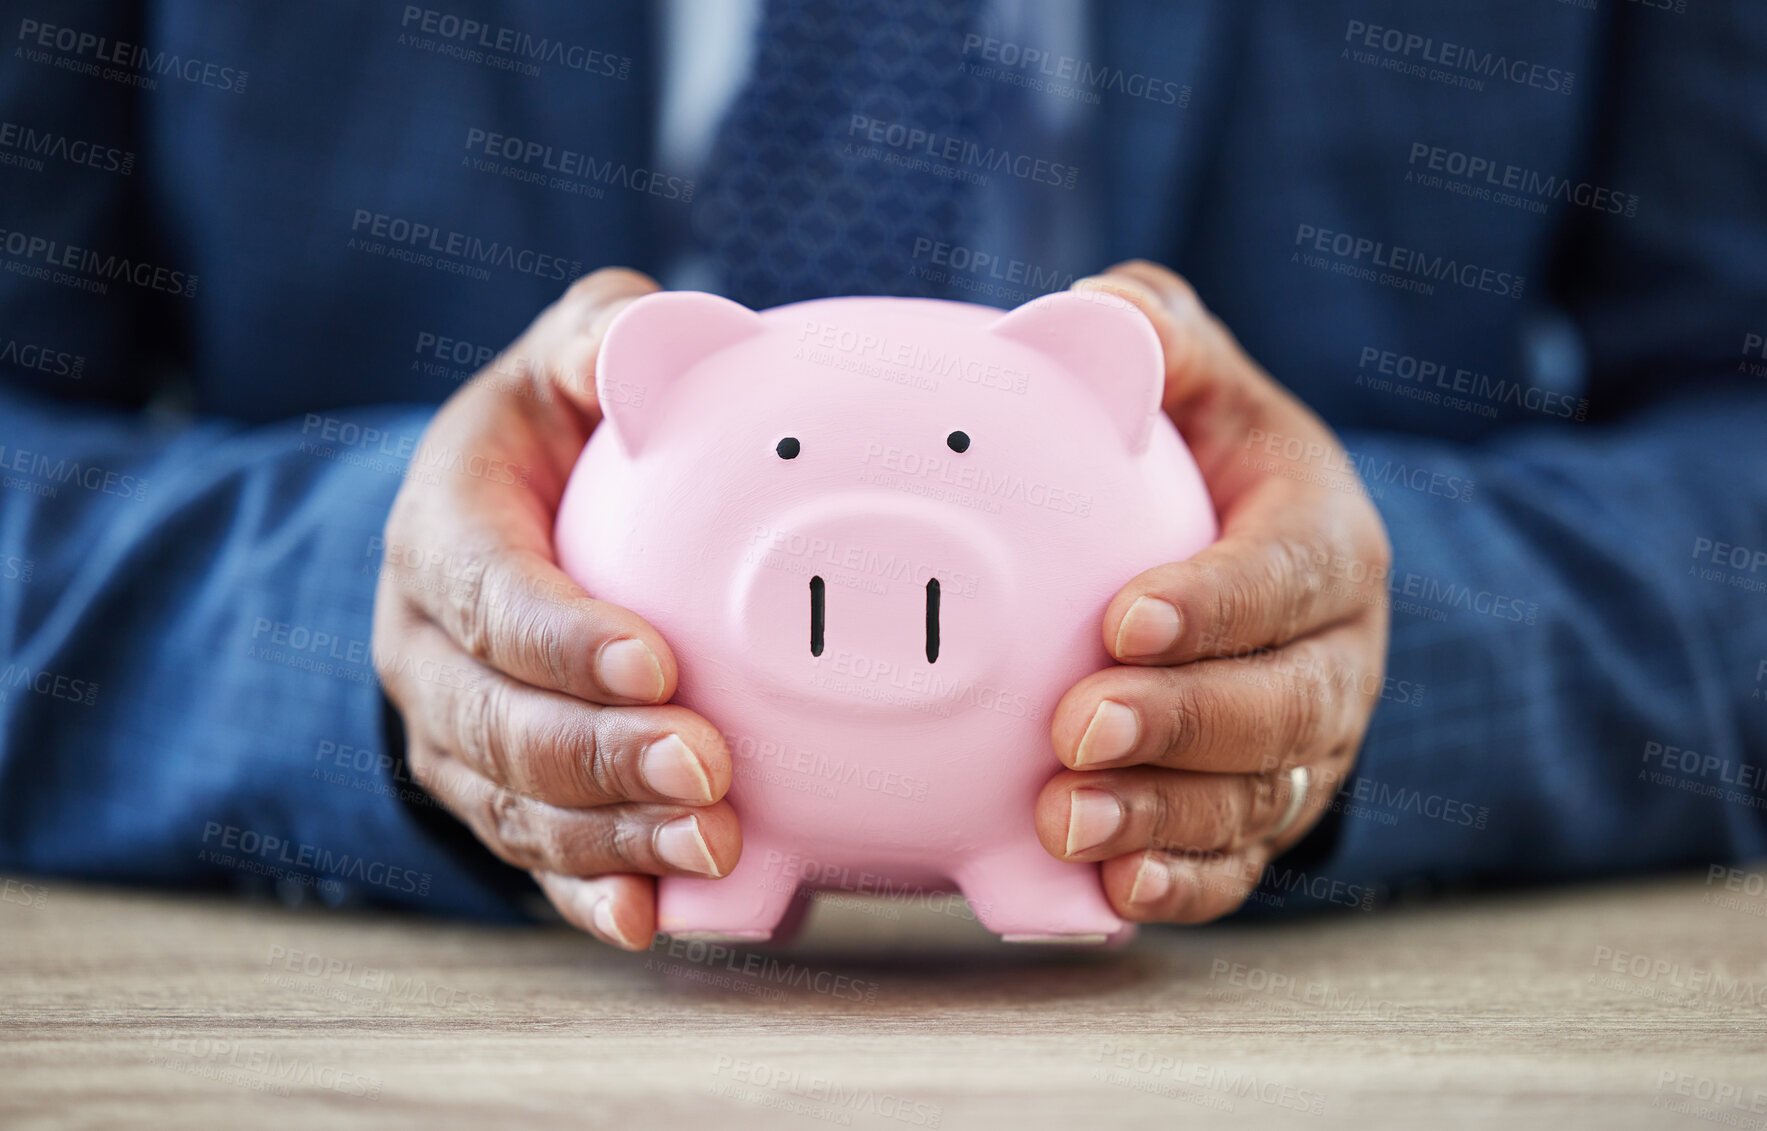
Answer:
(854, 141)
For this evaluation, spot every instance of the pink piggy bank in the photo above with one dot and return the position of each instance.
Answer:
(880, 535)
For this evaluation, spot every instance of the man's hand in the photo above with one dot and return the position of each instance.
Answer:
(533, 711)
(1264, 652)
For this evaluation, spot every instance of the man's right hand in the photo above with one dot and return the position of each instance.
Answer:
(534, 712)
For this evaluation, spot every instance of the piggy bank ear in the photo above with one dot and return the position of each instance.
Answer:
(654, 341)
(1106, 343)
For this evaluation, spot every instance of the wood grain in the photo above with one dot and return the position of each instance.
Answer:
(128, 1009)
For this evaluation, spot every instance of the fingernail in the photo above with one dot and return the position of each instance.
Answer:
(603, 918)
(1093, 817)
(1152, 880)
(682, 844)
(627, 667)
(1110, 735)
(1149, 628)
(670, 767)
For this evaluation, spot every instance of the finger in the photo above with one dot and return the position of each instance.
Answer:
(1267, 581)
(1257, 713)
(1214, 393)
(1164, 887)
(510, 607)
(1285, 533)
(664, 840)
(1098, 815)
(471, 546)
(617, 909)
(1283, 568)
(552, 747)
(558, 351)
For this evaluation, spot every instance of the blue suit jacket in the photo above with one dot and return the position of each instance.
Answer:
(1516, 253)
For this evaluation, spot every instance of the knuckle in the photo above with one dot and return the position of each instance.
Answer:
(481, 720)
(1219, 816)
(601, 766)
(1186, 720)
(1303, 719)
(422, 761)
(473, 613)
(1172, 288)
(1193, 821)
(630, 843)
(1260, 796)
(548, 643)
(602, 281)
(1297, 583)
(525, 838)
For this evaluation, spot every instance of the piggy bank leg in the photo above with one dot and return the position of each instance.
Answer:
(745, 906)
(1023, 894)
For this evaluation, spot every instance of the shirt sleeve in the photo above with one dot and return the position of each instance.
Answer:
(1578, 674)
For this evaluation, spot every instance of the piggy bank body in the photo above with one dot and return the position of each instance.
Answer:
(880, 535)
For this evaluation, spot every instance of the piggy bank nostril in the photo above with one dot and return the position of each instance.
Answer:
(932, 621)
(816, 610)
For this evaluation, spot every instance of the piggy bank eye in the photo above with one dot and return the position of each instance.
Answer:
(788, 448)
(958, 441)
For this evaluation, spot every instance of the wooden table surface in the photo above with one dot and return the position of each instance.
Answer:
(1634, 1005)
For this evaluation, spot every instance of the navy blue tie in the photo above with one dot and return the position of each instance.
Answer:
(856, 140)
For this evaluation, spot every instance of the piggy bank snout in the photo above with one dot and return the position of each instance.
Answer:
(869, 592)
